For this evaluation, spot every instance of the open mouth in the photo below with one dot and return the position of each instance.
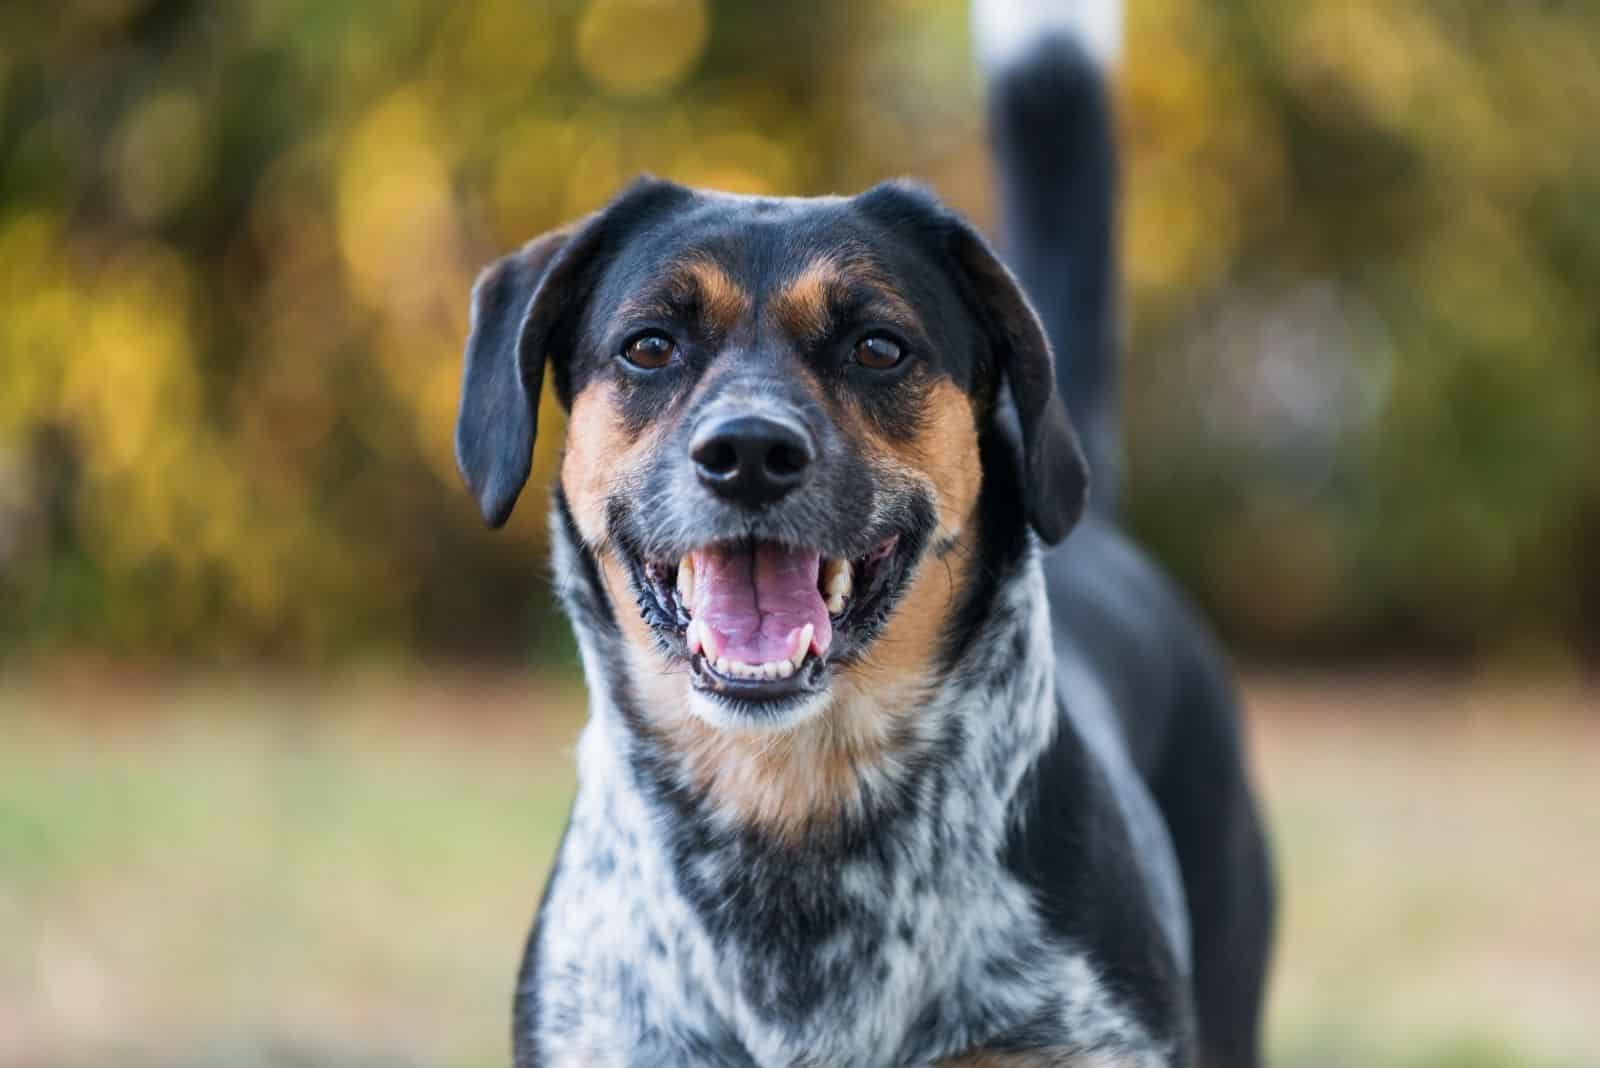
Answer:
(762, 622)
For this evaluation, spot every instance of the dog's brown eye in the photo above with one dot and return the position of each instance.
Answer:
(651, 352)
(879, 353)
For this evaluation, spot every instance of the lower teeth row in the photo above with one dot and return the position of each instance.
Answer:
(775, 669)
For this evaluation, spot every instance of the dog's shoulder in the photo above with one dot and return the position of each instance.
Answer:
(1117, 614)
(1088, 841)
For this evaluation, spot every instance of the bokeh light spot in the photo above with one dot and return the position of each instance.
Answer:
(160, 156)
(638, 47)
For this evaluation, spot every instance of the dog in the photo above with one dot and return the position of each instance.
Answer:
(872, 776)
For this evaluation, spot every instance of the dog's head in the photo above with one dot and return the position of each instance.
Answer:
(782, 416)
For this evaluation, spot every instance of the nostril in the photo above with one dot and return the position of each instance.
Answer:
(786, 461)
(750, 459)
(717, 457)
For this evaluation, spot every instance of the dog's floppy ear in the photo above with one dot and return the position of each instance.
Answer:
(522, 305)
(501, 382)
(1055, 474)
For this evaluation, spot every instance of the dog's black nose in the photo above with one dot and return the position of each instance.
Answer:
(750, 459)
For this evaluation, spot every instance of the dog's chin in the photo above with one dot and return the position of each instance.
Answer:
(768, 714)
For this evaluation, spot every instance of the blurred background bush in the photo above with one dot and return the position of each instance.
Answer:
(1362, 252)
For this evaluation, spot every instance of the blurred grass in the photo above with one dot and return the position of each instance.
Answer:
(342, 875)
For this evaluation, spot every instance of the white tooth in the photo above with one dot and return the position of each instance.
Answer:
(802, 646)
(708, 639)
(837, 583)
(785, 669)
(692, 636)
(769, 670)
(842, 579)
(686, 583)
(723, 666)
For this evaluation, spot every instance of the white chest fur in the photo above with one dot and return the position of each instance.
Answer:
(631, 971)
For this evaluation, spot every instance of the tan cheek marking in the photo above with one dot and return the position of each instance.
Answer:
(945, 453)
(599, 453)
(943, 456)
(903, 653)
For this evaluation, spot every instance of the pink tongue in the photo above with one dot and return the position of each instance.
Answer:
(756, 601)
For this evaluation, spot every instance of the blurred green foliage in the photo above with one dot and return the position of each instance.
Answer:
(1362, 248)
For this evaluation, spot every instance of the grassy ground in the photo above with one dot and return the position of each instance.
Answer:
(265, 875)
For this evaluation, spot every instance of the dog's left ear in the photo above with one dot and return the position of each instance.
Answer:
(1055, 473)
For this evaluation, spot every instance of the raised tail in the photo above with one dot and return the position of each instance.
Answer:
(1046, 64)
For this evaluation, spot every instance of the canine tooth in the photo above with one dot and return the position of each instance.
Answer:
(708, 641)
(837, 583)
(692, 636)
(843, 579)
(723, 666)
(802, 646)
(686, 583)
(785, 669)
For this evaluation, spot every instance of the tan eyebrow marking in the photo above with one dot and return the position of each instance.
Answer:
(696, 281)
(723, 301)
(806, 306)
(802, 306)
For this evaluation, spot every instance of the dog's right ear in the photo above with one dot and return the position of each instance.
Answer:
(522, 305)
(500, 386)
